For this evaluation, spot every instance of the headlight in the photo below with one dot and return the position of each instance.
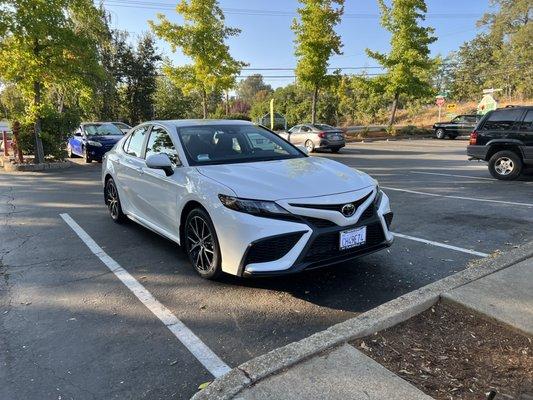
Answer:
(260, 208)
(93, 143)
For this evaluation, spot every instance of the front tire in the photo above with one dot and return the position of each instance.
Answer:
(201, 244)
(86, 155)
(505, 165)
(440, 133)
(112, 201)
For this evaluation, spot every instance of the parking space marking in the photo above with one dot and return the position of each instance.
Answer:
(438, 244)
(453, 175)
(192, 342)
(513, 203)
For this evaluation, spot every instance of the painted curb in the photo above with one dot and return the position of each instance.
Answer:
(379, 318)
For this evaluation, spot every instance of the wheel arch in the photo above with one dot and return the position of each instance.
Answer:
(501, 146)
(187, 208)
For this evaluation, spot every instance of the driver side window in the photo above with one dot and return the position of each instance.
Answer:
(160, 142)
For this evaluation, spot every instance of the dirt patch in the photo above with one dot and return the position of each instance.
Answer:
(450, 353)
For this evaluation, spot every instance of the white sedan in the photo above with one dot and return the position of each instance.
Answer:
(239, 199)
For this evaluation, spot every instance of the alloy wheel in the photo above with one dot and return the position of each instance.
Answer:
(504, 166)
(200, 244)
(112, 200)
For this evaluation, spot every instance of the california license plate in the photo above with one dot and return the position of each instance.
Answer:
(352, 238)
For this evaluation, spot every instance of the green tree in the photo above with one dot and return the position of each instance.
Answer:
(316, 41)
(139, 80)
(409, 59)
(47, 43)
(202, 38)
(250, 86)
(171, 103)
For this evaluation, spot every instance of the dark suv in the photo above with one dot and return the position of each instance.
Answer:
(460, 125)
(504, 138)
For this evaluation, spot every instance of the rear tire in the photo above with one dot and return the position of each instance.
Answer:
(201, 244)
(452, 137)
(335, 149)
(112, 201)
(440, 133)
(310, 146)
(505, 165)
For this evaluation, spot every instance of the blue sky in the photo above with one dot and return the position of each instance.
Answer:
(266, 41)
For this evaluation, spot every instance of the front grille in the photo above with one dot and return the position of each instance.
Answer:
(368, 213)
(319, 222)
(333, 207)
(326, 245)
(271, 249)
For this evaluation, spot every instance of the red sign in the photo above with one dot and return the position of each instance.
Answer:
(440, 101)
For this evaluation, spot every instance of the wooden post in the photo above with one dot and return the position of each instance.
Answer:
(4, 141)
(18, 150)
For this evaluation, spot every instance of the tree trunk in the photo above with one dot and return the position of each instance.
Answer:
(227, 103)
(394, 108)
(39, 152)
(204, 103)
(313, 105)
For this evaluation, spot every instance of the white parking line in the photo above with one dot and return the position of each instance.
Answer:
(458, 197)
(444, 245)
(192, 342)
(453, 175)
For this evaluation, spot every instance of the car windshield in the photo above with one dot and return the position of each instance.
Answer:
(324, 127)
(228, 144)
(121, 125)
(102, 130)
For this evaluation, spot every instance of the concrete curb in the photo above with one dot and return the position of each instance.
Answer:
(10, 167)
(379, 318)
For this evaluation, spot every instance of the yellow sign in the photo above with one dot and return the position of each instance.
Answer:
(451, 107)
(272, 114)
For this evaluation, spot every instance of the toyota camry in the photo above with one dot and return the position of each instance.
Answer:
(240, 199)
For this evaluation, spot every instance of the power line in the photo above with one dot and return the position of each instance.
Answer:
(151, 5)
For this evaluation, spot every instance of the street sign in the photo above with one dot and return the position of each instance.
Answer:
(440, 101)
(451, 107)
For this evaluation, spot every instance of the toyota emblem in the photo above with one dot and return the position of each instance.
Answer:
(348, 210)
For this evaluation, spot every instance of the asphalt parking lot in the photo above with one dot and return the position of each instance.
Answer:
(71, 329)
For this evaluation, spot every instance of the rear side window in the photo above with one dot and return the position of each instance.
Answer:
(134, 143)
(502, 120)
(527, 123)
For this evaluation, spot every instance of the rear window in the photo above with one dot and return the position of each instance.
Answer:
(324, 127)
(502, 120)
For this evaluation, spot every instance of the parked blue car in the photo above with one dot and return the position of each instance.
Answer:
(92, 140)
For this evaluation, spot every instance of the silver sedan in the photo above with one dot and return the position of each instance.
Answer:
(315, 137)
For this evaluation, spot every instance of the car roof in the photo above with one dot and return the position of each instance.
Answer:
(180, 123)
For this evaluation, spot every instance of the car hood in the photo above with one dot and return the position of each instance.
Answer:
(288, 179)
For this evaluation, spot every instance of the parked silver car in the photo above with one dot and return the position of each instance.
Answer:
(315, 137)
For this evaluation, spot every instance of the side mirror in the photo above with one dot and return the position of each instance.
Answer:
(160, 161)
(303, 149)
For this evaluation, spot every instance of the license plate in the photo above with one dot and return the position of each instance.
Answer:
(336, 138)
(352, 238)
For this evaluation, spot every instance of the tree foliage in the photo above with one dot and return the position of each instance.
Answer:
(408, 60)
(48, 44)
(248, 88)
(316, 41)
(202, 38)
(499, 57)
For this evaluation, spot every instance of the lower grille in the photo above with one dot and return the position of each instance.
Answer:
(271, 249)
(326, 245)
(368, 213)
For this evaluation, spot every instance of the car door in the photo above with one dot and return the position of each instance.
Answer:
(130, 171)
(76, 142)
(306, 132)
(292, 133)
(159, 193)
(456, 127)
(525, 135)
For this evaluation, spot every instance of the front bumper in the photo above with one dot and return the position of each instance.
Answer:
(477, 152)
(97, 153)
(255, 246)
